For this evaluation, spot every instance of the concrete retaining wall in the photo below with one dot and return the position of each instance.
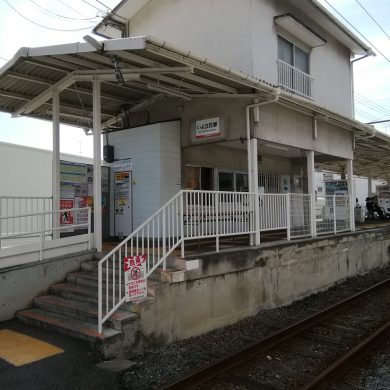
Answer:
(20, 284)
(232, 285)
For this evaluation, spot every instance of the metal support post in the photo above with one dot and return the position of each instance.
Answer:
(369, 185)
(255, 184)
(288, 216)
(351, 193)
(56, 164)
(97, 171)
(311, 190)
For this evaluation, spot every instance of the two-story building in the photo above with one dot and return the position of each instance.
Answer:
(218, 113)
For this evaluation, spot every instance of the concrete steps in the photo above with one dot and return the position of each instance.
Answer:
(106, 342)
(72, 308)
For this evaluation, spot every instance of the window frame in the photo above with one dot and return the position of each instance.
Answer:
(295, 45)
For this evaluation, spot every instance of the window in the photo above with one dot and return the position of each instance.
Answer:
(232, 181)
(199, 178)
(293, 55)
(293, 68)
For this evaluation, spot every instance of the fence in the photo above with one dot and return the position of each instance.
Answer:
(27, 210)
(39, 229)
(209, 214)
(332, 214)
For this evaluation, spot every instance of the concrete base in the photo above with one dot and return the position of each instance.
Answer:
(235, 284)
(20, 284)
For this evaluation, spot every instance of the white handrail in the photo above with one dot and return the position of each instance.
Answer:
(197, 214)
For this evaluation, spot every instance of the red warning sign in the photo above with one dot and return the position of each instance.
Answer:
(135, 277)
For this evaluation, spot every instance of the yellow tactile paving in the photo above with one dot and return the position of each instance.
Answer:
(19, 349)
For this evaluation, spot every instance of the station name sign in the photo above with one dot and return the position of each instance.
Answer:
(207, 128)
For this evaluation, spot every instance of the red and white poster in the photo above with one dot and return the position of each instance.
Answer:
(135, 277)
(66, 216)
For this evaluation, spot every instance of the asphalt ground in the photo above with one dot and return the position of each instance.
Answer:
(74, 369)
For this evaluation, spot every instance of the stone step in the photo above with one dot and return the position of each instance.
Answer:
(75, 292)
(108, 343)
(89, 279)
(82, 311)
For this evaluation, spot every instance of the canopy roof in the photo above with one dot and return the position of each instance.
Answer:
(136, 73)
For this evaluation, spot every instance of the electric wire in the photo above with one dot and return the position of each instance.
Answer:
(91, 5)
(335, 10)
(53, 14)
(104, 5)
(371, 104)
(2, 58)
(73, 9)
(373, 19)
(46, 27)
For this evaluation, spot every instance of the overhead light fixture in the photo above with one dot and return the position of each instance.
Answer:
(277, 147)
(99, 46)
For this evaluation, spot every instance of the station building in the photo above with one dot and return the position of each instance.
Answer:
(215, 118)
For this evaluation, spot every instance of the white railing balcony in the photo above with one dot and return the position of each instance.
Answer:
(294, 80)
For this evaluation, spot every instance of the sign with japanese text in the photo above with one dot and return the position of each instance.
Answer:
(207, 128)
(135, 277)
(66, 216)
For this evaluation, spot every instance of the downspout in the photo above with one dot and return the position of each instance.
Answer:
(252, 180)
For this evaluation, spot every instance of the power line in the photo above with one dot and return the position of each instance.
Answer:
(371, 105)
(67, 5)
(91, 5)
(41, 25)
(104, 5)
(334, 9)
(53, 14)
(373, 19)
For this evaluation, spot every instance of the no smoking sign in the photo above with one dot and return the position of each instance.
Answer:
(135, 277)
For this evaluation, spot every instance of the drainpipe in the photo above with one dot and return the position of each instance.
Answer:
(252, 163)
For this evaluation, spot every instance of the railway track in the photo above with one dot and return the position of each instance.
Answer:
(310, 354)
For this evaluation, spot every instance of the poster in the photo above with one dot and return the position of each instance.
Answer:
(66, 217)
(135, 277)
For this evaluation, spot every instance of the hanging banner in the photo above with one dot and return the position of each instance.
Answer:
(135, 277)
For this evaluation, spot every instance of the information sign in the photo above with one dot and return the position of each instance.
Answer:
(207, 128)
(135, 277)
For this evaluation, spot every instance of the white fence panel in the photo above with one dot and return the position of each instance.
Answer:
(300, 215)
(273, 211)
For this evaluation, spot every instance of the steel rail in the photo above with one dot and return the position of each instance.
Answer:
(224, 364)
(342, 365)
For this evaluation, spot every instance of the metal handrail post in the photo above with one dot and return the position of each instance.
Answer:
(42, 236)
(182, 223)
(164, 238)
(217, 221)
(89, 228)
(288, 211)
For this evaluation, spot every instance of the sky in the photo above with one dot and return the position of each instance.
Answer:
(78, 17)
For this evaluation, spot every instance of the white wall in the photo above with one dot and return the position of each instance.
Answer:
(242, 34)
(155, 153)
(26, 171)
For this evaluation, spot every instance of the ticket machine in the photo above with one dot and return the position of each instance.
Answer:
(123, 210)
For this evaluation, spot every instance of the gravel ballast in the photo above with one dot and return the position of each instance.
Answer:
(160, 366)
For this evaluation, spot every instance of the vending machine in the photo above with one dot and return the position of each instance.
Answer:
(123, 210)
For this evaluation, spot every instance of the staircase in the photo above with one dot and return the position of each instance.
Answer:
(72, 309)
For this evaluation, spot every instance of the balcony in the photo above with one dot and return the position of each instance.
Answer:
(294, 80)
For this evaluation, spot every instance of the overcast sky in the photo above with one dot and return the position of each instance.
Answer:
(77, 17)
